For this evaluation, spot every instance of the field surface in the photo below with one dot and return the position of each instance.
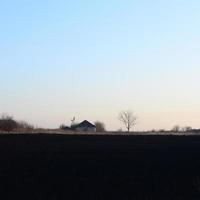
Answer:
(53, 167)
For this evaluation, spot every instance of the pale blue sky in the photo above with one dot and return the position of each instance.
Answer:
(92, 59)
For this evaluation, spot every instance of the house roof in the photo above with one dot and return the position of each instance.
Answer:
(84, 124)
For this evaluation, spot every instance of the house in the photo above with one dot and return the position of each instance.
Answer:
(85, 126)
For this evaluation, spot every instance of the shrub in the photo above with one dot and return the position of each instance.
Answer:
(100, 126)
(176, 129)
(7, 123)
(22, 125)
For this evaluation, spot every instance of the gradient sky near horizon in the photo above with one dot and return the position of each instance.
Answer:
(92, 59)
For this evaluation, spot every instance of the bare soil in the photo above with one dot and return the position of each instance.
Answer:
(88, 167)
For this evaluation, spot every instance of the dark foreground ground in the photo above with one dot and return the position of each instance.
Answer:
(53, 167)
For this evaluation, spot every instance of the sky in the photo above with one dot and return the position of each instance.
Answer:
(92, 59)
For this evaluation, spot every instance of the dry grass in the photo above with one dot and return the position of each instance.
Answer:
(64, 132)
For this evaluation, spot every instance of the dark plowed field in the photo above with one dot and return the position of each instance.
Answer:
(53, 167)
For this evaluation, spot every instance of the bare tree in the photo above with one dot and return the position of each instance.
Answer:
(5, 116)
(62, 126)
(23, 125)
(100, 126)
(7, 123)
(176, 129)
(128, 119)
(186, 129)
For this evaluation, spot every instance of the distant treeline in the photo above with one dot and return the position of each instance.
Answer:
(9, 124)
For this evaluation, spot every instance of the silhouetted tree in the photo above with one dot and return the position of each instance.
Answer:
(24, 126)
(128, 119)
(186, 129)
(162, 130)
(62, 126)
(176, 129)
(100, 126)
(7, 123)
